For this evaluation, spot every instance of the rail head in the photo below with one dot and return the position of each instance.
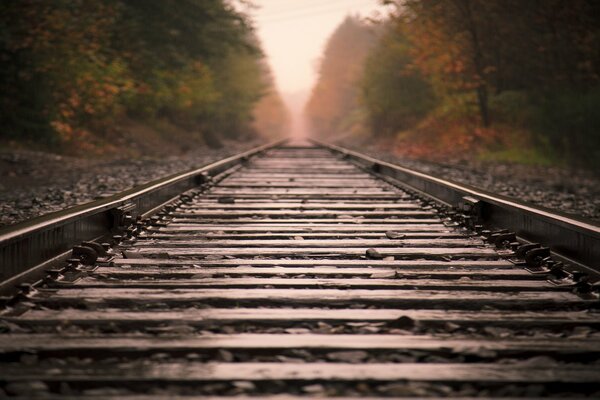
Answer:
(27, 246)
(573, 239)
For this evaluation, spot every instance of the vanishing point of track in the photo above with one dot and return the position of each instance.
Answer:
(301, 273)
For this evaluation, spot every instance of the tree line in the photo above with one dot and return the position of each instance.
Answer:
(506, 73)
(72, 69)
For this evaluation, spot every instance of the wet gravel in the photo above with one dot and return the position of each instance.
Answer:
(36, 183)
(571, 191)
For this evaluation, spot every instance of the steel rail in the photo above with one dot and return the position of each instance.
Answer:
(31, 246)
(574, 240)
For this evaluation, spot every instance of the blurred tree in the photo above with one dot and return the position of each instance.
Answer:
(54, 73)
(393, 92)
(271, 116)
(72, 68)
(334, 99)
(532, 64)
(497, 45)
(447, 38)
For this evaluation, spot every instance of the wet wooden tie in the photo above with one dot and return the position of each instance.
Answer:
(301, 275)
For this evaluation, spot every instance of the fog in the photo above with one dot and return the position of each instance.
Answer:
(293, 34)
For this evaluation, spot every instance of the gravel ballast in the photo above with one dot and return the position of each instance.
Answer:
(571, 191)
(37, 183)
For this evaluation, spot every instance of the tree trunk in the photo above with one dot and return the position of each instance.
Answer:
(482, 99)
(482, 92)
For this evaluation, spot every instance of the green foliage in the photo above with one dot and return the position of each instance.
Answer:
(569, 121)
(512, 107)
(238, 95)
(565, 123)
(394, 93)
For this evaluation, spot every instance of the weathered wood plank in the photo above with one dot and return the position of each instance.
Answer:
(301, 206)
(301, 180)
(311, 283)
(270, 397)
(415, 252)
(158, 372)
(147, 270)
(156, 235)
(300, 213)
(292, 242)
(244, 174)
(305, 184)
(425, 265)
(332, 162)
(289, 221)
(293, 316)
(306, 171)
(128, 344)
(398, 297)
(309, 191)
(274, 202)
(320, 196)
(287, 161)
(306, 164)
(305, 226)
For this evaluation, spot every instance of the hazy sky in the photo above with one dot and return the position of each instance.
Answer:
(294, 33)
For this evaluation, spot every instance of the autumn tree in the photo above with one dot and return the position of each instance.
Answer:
(71, 69)
(489, 46)
(58, 68)
(447, 37)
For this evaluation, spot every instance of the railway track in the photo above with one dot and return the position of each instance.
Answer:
(300, 271)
